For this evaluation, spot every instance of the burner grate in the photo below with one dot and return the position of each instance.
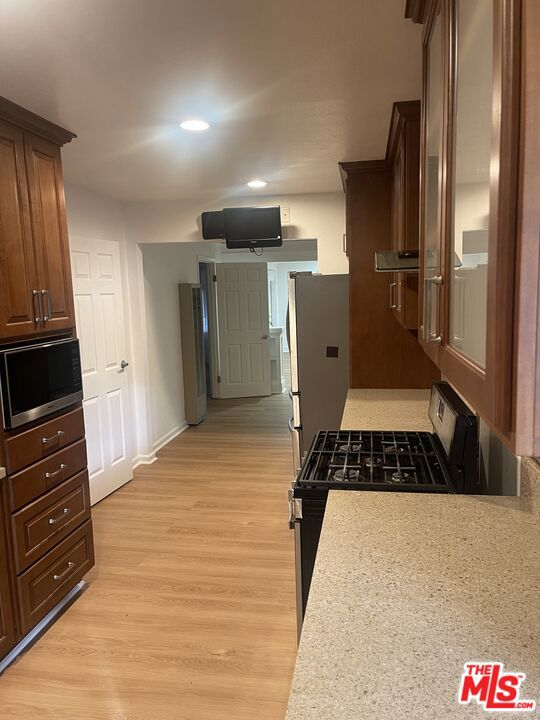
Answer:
(375, 460)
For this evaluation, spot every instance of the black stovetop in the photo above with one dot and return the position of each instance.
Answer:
(375, 460)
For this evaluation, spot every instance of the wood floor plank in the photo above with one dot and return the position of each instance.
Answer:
(190, 610)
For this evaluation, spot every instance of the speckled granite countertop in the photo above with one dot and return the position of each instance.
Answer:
(406, 589)
(387, 410)
(409, 587)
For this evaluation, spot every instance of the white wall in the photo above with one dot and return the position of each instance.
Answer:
(164, 266)
(320, 216)
(290, 251)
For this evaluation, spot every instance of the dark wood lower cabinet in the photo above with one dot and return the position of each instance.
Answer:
(51, 578)
(8, 634)
(46, 542)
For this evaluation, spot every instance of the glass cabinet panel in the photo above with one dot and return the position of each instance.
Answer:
(471, 175)
(433, 130)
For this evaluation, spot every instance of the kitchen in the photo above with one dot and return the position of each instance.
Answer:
(440, 194)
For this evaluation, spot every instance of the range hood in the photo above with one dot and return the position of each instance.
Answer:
(407, 261)
(391, 261)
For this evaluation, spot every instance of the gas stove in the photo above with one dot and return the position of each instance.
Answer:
(445, 461)
(375, 460)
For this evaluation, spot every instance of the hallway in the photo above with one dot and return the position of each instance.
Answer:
(190, 609)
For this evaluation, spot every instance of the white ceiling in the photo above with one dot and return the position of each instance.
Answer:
(291, 87)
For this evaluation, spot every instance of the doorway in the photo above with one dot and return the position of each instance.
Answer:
(203, 280)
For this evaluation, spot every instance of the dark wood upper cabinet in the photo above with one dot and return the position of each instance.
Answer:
(49, 229)
(19, 286)
(36, 292)
(479, 210)
(403, 157)
(383, 353)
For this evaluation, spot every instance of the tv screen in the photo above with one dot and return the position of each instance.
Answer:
(252, 227)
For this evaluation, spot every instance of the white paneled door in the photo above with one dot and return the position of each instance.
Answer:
(97, 285)
(244, 335)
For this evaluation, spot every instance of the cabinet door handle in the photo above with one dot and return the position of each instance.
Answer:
(345, 243)
(393, 305)
(38, 316)
(46, 294)
(430, 335)
(59, 434)
(53, 521)
(50, 475)
(69, 568)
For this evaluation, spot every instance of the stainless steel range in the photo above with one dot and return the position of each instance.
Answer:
(445, 461)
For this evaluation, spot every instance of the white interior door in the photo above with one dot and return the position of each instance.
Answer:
(244, 336)
(97, 285)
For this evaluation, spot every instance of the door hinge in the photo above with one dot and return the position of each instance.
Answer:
(219, 378)
(214, 278)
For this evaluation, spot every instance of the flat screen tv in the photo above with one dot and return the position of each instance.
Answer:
(252, 227)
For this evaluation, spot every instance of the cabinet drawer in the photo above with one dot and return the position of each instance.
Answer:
(29, 484)
(51, 578)
(40, 526)
(39, 442)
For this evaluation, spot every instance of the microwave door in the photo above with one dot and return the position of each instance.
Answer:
(38, 380)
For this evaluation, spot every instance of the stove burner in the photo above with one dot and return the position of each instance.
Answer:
(395, 449)
(398, 477)
(372, 462)
(346, 475)
(349, 448)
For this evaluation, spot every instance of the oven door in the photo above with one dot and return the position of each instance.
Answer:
(306, 519)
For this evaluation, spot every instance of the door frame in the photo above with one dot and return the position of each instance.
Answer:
(213, 336)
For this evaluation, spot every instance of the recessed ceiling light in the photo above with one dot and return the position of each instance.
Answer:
(257, 184)
(194, 125)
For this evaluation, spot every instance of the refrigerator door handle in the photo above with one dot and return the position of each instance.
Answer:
(297, 417)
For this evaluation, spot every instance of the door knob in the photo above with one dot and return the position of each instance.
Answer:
(265, 337)
(123, 366)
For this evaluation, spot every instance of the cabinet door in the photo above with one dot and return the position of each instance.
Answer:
(479, 199)
(430, 225)
(398, 227)
(7, 625)
(49, 229)
(17, 267)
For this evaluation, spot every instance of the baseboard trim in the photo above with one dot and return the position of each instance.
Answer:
(151, 457)
(144, 460)
(168, 437)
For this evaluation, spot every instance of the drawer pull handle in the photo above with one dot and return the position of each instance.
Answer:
(69, 568)
(49, 475)
(59, 434)
(53, 521)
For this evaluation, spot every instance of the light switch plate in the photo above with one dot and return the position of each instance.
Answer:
(285, 215)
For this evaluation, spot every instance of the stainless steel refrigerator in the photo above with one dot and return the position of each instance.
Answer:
(318, 336)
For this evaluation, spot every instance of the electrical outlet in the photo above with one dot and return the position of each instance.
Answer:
(285, 215)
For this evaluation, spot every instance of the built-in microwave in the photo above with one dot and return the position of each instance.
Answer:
(39, 379)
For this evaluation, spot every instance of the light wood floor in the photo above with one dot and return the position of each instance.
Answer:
(190, 610)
